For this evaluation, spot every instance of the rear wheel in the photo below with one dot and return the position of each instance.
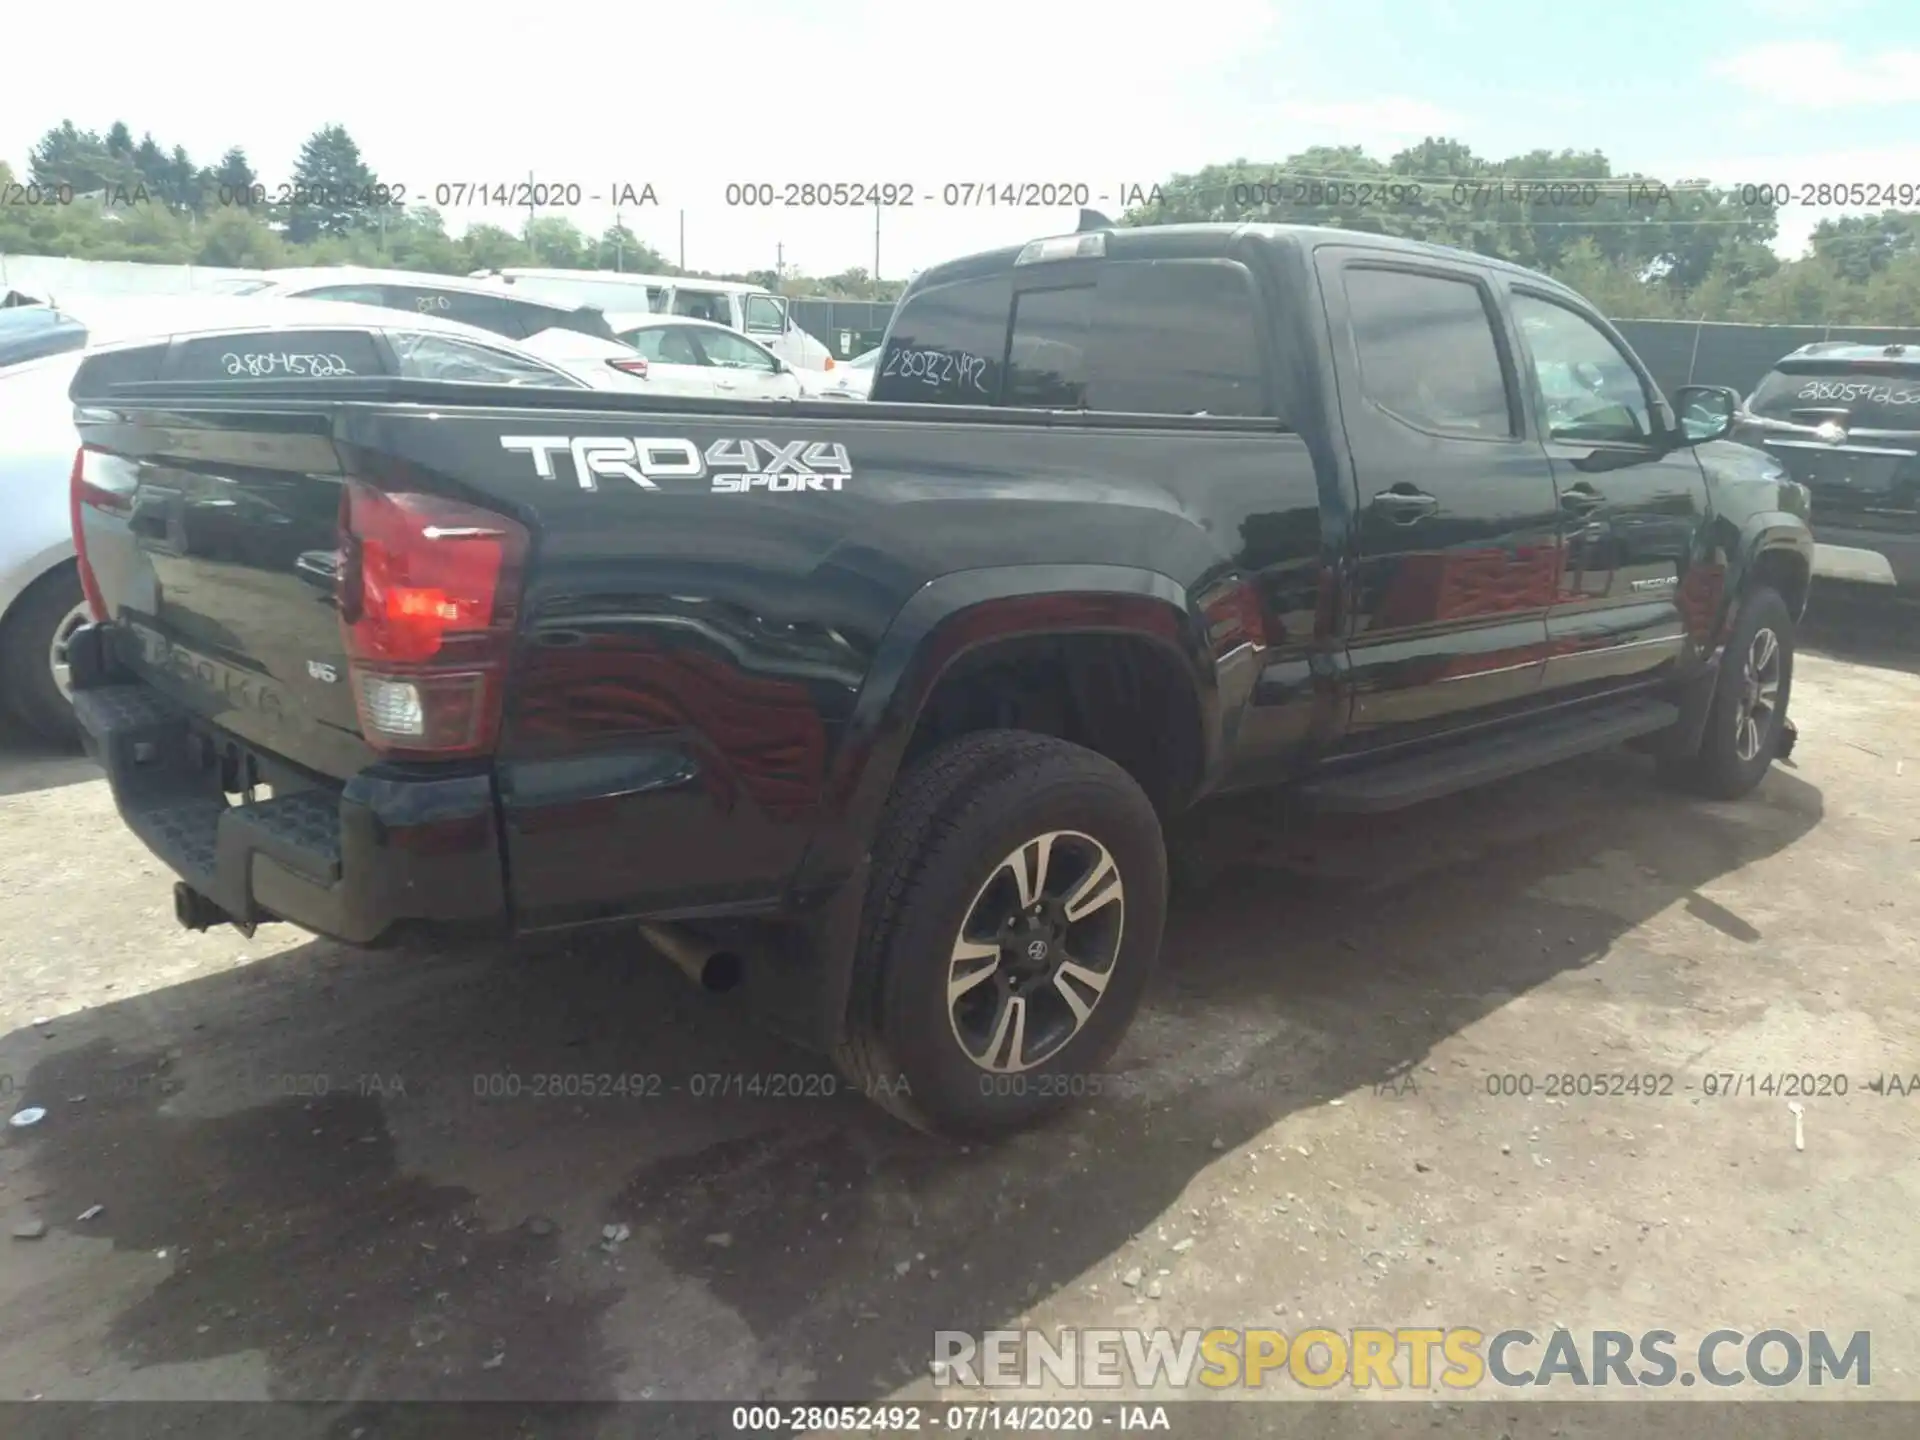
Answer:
(1749, 704)
(33, 654)
(1019, 891)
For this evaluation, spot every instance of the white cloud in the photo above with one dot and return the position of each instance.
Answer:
(689, 98)
(1385, 121)
(1820, 75)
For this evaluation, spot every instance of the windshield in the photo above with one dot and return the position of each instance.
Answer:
(864, 361)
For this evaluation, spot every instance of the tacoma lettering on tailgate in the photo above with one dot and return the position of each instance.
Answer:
(732, 466)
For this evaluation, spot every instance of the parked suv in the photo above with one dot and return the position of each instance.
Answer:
(885, 706)
(1844, 418)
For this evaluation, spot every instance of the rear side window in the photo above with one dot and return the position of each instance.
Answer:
(1047, 359)
(1161, 337)
(1427, 353)
(947, 344)
(703, 305)
(442, 357)
(486, 312)
(1179, 338)
(667, 344)
(274, 355)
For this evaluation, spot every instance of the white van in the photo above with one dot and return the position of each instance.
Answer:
(750, 309)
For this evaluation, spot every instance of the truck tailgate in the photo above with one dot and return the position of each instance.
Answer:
(215, 543)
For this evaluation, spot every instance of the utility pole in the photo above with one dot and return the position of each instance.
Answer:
(619, 243)
(876, 242)
(530, 209)
(683, 240)
(779, 259)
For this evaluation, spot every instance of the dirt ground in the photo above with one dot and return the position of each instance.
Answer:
(316, 1186)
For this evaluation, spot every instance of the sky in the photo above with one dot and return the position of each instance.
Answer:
(692, 98)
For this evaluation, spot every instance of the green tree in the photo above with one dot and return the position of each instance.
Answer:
(1861, 246)
(489, 247)
(618, 248)
(238, 239)
(556, 242)
(330, 172)
(234, 173)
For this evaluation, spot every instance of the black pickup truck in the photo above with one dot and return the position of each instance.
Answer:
(882, 707)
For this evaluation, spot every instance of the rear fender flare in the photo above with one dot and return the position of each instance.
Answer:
(957, 614)
(944, 621)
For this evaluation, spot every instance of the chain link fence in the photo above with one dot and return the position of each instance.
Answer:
(1711, 352)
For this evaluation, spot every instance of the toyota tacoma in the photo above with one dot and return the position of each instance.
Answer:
(884, 708)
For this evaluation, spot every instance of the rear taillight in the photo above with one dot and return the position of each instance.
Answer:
(80, 492)
(829, 364)
(635, 366)
(429, 590)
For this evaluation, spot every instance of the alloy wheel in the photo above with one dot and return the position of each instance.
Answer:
(1035, 951)
(1759, 695)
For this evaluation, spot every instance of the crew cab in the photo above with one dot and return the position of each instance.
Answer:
(1844, 419)
(883, 708)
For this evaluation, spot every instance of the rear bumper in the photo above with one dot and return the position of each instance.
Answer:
(1867, 557)
(383, 855)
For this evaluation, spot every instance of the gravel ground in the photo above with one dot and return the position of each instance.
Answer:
(317, 1183)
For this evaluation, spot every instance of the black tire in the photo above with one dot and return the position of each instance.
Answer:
(26, 641)
(1719, 769)
(951, 821)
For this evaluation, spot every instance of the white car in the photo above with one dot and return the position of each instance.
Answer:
(850, 379)
(41, 603)
(699, 357)
(573, 336)
(749, 310)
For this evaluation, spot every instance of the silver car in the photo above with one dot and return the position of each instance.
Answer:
(41, 603)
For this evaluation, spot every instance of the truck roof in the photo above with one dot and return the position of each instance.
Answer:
(1149, 242)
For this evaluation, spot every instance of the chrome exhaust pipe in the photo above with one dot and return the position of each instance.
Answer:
(712, 968)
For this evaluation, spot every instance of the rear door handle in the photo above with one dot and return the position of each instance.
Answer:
(1403, 507)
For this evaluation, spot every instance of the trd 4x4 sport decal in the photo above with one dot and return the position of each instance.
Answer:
(733, 466)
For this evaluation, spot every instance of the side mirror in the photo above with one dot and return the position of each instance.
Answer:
(779, 366)
(1707, 412)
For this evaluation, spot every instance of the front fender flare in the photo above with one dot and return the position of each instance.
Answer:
(1764, 531)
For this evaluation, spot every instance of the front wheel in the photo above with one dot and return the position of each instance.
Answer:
(1749, 704)
(1018, 895)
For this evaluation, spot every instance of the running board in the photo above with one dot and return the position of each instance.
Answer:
(1462, 766)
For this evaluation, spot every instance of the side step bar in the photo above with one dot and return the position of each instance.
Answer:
(1418, 778)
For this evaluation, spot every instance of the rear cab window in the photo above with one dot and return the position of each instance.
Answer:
(1120, 335)
(274, 355)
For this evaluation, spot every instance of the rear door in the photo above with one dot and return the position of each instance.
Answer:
(1457, 528)
(1633, 507)
(676, 365)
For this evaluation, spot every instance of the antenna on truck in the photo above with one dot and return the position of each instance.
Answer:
(1092, 220)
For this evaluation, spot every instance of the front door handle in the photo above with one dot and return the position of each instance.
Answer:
(1581, 498)
(1403, 507)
